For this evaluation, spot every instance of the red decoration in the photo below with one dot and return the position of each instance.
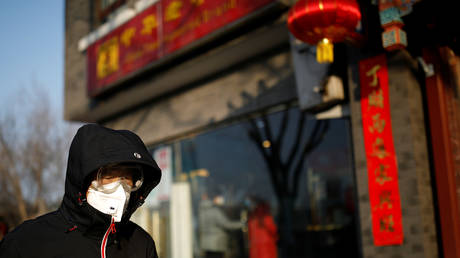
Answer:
(324, 22)
(162, 29)
(382, 168)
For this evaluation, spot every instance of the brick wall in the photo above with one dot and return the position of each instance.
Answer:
(77, 25)
(410, 142)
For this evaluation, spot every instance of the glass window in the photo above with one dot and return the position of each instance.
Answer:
(106, 8)
(107, 3)
(238, 210)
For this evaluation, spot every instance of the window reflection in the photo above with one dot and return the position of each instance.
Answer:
(236, 207)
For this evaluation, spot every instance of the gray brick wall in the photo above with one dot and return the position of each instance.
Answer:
(77, 25)
(409, 136)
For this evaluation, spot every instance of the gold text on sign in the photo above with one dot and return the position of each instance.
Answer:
(127, 35)
(378, 149)
(386, 223)
(150, 22)
(107, 58)
(376, 98)
(385, 200)
(173, 11)
(378, 124)
(381, 174)
(373, 72)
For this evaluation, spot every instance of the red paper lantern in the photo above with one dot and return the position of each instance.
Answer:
(323, 22)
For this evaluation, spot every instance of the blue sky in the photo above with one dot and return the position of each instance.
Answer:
(31, 48)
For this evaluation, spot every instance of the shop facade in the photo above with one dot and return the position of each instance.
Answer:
(232, 106)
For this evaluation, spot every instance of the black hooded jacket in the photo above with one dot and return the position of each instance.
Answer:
(76, 229)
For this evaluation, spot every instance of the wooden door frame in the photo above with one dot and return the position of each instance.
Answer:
(444, 170)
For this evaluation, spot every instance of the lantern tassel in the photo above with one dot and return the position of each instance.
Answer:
(325, 51)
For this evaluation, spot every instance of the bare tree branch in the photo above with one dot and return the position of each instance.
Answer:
(7, 169)
(282, 132)
(33, 146)
(298, 138)
(256, 136)
(274, 149)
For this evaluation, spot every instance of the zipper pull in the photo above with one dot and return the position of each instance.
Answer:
(112, 230)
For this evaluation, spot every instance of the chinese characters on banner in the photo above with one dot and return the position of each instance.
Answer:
(160, 30)
(380, 154)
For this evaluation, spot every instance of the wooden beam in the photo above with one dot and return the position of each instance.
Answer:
(448, 203)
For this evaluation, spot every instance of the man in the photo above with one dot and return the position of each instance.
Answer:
(109, 175)
(213, 226)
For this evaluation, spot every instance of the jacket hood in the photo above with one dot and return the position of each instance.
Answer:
(93, 147)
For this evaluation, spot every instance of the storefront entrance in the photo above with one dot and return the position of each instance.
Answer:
(239, 189)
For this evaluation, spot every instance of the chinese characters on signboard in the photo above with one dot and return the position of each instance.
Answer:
(380, 154)
(158, 31)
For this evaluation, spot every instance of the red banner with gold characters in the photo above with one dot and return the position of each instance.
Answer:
(160, 30)
(380, 153)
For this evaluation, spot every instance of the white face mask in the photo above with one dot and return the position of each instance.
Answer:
(113, 203)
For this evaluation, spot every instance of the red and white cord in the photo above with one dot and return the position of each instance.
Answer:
(111, 229)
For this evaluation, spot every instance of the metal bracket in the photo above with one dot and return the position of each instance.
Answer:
(427, 68)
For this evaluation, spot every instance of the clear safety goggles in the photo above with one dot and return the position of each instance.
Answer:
(108, 178)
